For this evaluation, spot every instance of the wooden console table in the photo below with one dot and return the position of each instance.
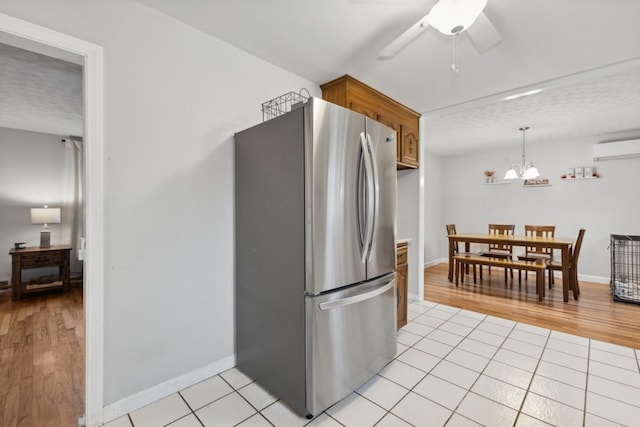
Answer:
(36, 257)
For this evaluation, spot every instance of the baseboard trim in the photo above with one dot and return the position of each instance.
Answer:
(436, 262)
(145, 397)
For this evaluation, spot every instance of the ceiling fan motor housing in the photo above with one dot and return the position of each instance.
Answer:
(454, 16)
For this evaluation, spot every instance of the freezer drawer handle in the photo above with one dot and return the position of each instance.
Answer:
(356, 298)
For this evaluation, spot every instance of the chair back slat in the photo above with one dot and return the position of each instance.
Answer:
(506, 229)
(539, 231)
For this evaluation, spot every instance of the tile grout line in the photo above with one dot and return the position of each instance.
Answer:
(533, 375)
(484, 369)
(425, 373)
(430, 370)
(236, 390)
(468, 390)
(586, 385)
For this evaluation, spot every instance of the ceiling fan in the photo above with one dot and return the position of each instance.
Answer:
(451, 17)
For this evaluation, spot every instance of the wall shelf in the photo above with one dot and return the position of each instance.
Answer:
(536, 185)
(497, 183)
(581, 179)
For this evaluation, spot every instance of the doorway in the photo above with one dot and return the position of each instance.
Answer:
(93, 283)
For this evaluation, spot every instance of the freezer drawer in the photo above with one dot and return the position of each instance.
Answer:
(351, 335)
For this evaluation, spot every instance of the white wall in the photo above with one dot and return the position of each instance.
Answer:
(407, 225)
(174, 98)
(31, 175)
(601, 206)
(433, 209)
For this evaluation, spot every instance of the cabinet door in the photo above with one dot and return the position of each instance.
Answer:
(409, 147)
(401, 283)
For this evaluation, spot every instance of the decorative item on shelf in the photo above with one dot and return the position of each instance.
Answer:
(526, 169)
(45, 216)
(580, 172)
(490, 178)
(539, 182)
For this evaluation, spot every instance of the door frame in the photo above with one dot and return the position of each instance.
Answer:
(93, 87)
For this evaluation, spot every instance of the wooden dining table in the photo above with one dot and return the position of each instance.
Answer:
(564, 245)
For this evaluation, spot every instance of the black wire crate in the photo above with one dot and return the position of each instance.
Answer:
(625, 268)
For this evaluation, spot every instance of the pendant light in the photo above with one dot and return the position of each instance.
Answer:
(526, 169)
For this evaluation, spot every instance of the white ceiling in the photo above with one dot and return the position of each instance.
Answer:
(542, 40)
(585, 54)
(40, 93)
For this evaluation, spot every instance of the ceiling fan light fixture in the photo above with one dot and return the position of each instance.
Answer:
(454, 16)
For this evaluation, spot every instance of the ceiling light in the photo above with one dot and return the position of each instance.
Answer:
(520, 95)
(526, 169)
(454, 16)
(451, 17)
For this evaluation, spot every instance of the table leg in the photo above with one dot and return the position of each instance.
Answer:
(16, 277)
(467, 249)
(451, 245)
(65, 270)
(566, 275)
(540, 283)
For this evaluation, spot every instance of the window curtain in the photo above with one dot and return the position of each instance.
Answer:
(72, 220)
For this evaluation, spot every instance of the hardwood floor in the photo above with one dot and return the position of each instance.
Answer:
(594, 315)
(42, 360)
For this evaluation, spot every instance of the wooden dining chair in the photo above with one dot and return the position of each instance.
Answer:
(451, 230)
(573, 262)
(535, 253)
(501, 250)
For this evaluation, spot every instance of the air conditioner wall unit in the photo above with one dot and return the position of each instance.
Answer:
(616, 150)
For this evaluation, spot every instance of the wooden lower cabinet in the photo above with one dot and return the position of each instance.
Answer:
(402, 271)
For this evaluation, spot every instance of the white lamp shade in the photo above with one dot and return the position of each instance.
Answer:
(511, 174)
(447, 15)
(45, 215)
(531, 173)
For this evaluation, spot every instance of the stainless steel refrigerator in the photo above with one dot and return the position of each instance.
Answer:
(315, 211)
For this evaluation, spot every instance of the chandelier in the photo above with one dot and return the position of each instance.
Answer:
(526, 170)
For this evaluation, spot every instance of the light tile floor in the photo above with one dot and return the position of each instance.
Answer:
(455, 368)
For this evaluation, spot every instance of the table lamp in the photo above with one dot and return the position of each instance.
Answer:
(45, 216)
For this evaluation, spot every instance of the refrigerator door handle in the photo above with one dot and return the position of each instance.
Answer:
(360, 199)
(369, 196)
(375, 194)
(342, 302)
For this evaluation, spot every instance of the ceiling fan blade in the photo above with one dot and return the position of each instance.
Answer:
(386, 2)
(404, 39)
(483, 34)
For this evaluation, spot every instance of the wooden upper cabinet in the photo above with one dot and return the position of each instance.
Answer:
(410, 144)
(357, 96)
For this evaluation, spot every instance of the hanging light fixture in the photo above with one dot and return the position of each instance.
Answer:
(526, 169)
